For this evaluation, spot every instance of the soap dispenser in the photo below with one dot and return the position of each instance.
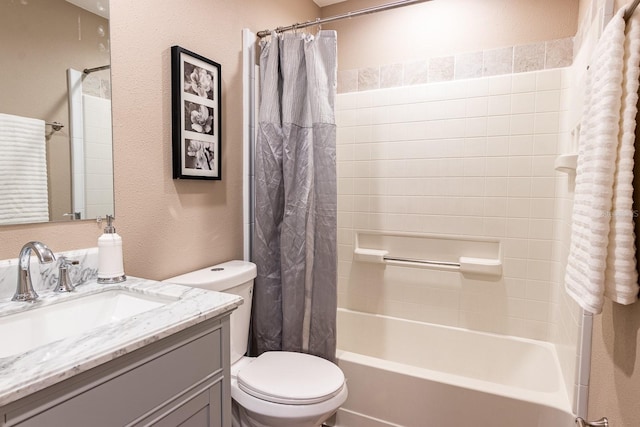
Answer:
(110, 266)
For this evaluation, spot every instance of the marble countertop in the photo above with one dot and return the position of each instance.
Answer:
(49, 364)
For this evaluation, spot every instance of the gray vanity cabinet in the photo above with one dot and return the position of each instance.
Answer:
(180, 380)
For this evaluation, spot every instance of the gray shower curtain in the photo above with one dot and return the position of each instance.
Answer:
(294, 242)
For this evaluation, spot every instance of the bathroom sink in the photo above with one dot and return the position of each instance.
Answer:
(23, 331)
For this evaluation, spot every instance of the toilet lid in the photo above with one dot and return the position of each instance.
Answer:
(291, 378)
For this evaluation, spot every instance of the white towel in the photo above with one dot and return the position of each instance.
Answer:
(602, 251)
(23, 170)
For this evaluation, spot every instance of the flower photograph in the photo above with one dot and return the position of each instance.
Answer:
(198, 118)
(198, 81)
(199, 154)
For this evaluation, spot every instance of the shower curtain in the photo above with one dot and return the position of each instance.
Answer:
(294, 243)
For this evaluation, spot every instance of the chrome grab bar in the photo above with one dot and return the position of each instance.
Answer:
(602, 422)
(422, 261)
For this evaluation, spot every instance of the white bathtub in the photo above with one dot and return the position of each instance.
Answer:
(413, 374)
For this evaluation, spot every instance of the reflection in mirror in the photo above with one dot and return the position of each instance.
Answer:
(55, 111)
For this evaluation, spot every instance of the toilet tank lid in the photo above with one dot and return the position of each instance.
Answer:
(220, 277)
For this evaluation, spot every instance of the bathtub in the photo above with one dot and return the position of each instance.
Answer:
(405, 373)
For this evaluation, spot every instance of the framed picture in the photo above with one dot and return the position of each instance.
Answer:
(196, 115)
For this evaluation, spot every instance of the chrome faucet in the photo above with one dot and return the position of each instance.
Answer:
(25, 291)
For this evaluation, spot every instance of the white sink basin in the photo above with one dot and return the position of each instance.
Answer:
(21, 332)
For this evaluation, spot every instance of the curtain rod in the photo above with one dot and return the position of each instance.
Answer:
(631, 9)
(347, 15)
(104, 67)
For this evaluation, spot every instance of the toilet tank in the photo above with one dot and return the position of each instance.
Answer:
(234, 277)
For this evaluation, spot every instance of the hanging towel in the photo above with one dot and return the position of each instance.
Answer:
(602, 250)
(23, 170)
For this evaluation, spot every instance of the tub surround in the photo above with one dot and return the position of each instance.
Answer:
(49, 364)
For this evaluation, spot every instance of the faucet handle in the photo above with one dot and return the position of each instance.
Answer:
(63, 260)
(64, 280)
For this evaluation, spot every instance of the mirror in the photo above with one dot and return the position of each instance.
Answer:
(55, 69)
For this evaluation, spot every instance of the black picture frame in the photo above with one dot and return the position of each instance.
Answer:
(196, 115)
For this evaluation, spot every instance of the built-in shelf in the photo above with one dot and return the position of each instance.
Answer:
(477, 257)
(566, 163)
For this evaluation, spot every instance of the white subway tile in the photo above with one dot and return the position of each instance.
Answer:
(477, 87)
(498, 126)
(477, 107)
(497, 145)
(522, 124)
(475, 147)
(540, 249)
(547, 123)
(476, 127)
(541, 229)
(497, 166)
(544, 166)
(549, 80)
(524, 82)
(500, 85)
(364, 116)
(520, 166)
(516, 248)
(499, 105)
(542, 208)
(494, 227)
(538, 290)
(519, 187)
(518, 207)
(474, 166)
(548, 101)
(543, 187)
(515, 288)
(521, 145)
(523, 103)
(539, 270)
(495, 206)
(515, 267)
(545, 144)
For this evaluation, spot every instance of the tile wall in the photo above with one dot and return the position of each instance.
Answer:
(507, 60)
(466, 158)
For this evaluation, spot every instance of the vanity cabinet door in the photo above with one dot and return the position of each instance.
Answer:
(182, 382)
(203, 410)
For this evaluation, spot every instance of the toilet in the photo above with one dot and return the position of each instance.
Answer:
(277, 388)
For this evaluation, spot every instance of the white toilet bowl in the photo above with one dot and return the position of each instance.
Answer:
(278, 388)
(285, 389)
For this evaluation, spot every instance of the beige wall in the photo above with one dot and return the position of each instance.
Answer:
(448, 27)
(169, 227)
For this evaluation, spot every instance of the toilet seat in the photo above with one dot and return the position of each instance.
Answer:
(291, 378)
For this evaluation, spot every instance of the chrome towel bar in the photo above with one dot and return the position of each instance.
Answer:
(465, 265)
(422, 261)
(55, 125)
(602, 422)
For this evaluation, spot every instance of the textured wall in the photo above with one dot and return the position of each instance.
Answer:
(168, 226)
(450, 27)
